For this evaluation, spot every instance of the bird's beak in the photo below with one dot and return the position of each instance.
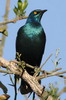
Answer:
(43, 11)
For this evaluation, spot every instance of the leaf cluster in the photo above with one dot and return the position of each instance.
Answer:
(20, 9)
(53, 91)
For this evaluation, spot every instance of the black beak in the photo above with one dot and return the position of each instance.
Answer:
(43, 11)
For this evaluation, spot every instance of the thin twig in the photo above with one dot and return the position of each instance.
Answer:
(27, 65)
(39, 69)
(62, 91)
(7, 72)
(46, 61)
(55, 70)
(49, 75)
(13, 20)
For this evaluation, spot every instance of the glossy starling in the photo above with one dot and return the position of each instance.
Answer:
(30, 43)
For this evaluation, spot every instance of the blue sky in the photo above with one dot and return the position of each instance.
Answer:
(54, 24)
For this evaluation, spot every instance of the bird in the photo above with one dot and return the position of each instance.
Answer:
(30, 43)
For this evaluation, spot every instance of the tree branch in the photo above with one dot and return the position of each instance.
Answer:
(3, 28)
(13, 21)
(45, 75)
(31, 80)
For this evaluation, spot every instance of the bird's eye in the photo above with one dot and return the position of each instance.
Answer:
(35, 13)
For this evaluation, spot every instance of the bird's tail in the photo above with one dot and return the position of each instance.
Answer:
(25, 88)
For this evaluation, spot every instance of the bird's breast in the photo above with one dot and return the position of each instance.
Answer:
(33, 32)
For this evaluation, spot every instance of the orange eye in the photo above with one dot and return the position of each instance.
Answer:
(35, 13)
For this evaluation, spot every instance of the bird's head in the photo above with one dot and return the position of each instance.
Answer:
(36, 15)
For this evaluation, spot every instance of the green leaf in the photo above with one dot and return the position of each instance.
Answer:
(19, 4)
(5, 33)
(53, 91)
(20, 9)
(24, 5)
(3, 87)
(15, 10)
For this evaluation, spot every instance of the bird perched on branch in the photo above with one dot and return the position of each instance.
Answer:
(30, 43)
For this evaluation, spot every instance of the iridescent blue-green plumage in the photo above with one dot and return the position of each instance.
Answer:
(30, 42)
